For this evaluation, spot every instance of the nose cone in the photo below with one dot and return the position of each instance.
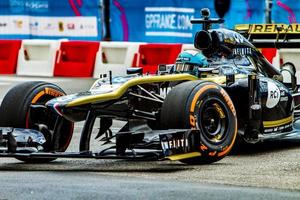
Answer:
(58, 104)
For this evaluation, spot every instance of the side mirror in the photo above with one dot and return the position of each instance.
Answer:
(134, 70)
(288, 72)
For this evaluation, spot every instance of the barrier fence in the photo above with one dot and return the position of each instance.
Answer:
(95, 59)
(83, 58)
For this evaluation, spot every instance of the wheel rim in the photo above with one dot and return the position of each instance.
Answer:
(49, 119)
(213, 120)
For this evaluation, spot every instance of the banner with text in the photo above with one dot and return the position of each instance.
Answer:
(49, 19)
(169, 20)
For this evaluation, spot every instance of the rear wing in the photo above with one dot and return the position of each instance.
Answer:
(271, 35)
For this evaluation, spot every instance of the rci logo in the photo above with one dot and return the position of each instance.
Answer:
(273, 95)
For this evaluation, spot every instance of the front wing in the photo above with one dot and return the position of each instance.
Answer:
(161, 144)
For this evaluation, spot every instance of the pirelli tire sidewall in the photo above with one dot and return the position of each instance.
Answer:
(15, 109)
(206, 93)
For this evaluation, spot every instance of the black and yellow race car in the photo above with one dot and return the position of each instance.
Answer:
(186, 112)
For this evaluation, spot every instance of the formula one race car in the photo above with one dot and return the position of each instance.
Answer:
(191, 111)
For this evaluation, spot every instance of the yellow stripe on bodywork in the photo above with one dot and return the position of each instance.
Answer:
(184, 156)
(270, 124)
(143, 80)
(123, 88)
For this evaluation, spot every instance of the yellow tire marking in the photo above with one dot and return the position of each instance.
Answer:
(53, 92)
(39, 95)
(49, 91)
(192, 121)
(220, 110)
(212, 153)
(195, 99)
(203, 147)
(228, 101)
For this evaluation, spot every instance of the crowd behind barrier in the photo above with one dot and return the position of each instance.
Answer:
(95, 59)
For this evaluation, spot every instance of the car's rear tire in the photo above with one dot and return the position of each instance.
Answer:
(15, 112)
(205, 106)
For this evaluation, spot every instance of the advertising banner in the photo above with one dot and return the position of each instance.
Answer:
(286, 11)
(169, 20)
(50, 19)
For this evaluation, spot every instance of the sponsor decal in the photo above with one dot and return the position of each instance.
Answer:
(87, 26)
(18, 23)
(230, 36)
(3, 24)
(169, 21)
(49, 26)
(278, 128)
(34, 25)
(38, 5)
(61, 26)
(53, 92)
(175, 143)
(242, 51)
(274, 29)
(273, 95)
(43, 18)
(71, 26)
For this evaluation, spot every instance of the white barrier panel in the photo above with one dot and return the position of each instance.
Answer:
(37, 57)
(293, 56)
(115, 57)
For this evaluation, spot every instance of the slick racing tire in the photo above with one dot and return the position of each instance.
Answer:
(207, 107)
(15, 112)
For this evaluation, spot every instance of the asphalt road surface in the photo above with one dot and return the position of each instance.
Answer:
(264, 171)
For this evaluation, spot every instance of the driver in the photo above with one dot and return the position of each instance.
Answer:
(189, 61)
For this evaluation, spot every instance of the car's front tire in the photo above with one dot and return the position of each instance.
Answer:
(15, 112)
(205, 106)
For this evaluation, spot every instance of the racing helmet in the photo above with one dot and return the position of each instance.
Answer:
(189, 61)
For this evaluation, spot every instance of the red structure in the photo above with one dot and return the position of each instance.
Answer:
(151, 55)
(269, 53)
(9, 50)
(76, 59)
